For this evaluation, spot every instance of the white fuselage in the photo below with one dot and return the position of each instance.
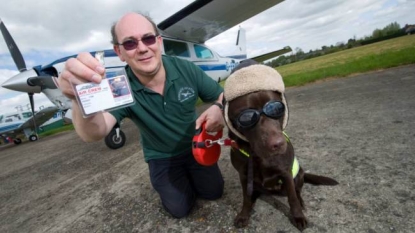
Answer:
(11, 121)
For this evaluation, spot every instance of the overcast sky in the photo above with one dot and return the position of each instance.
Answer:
(46, 30)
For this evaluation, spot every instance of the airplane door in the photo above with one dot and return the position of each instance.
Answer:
(199, 55)
(176, 48)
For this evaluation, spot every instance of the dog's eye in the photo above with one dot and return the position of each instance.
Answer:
(248, 118)
(274, 109)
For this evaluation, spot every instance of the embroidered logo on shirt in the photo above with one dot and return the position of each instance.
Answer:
(186, 93)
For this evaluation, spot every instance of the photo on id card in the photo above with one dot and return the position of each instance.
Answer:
(112, 93)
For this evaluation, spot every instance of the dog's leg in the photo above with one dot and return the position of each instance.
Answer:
(299, 182)
(299, 219)
(242, 219)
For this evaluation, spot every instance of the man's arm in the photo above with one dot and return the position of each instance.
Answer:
(93, 128)
(85, 68)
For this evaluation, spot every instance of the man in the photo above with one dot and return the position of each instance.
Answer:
(166, 90)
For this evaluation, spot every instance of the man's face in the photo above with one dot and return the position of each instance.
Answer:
(145, 60)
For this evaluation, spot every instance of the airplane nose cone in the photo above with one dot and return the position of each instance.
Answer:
(19, 82)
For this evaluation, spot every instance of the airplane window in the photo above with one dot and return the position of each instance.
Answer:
(176, 48)
(203, 52)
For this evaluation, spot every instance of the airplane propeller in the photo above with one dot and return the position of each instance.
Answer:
(27, 80)
(42, 81)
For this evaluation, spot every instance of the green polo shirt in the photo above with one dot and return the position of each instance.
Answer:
(167, 122)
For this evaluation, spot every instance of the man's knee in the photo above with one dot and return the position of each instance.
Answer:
(214, 193)
(178, 211)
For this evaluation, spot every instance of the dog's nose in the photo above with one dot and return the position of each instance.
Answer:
(276, 142)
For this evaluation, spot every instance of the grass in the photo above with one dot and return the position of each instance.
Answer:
(381, 55)
(57, 130)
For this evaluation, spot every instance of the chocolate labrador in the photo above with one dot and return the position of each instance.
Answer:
(263, 154)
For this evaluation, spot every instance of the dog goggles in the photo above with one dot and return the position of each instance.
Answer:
(250, 117)
(133, 43)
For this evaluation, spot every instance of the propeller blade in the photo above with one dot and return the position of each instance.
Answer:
(42, 81)
(14, 50)
(32, 106)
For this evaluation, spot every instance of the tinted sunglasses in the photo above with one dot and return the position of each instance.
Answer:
(250, 117)
(133, 43)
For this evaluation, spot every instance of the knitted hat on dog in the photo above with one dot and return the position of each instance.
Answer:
(253, 78)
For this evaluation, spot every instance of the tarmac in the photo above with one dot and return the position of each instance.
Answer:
(359, 130)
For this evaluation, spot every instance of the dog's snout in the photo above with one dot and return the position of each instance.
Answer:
(276, 143)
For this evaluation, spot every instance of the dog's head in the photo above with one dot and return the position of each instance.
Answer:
(256, 110)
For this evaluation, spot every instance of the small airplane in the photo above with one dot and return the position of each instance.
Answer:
(184, 35)
(56, 120)
(12, 125)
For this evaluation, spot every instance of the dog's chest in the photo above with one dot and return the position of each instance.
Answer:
(267, 178)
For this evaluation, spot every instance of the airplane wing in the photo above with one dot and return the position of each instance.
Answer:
(40, 117)
(204, 19)
(273, 54)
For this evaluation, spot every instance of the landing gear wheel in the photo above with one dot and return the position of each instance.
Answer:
(17, 141)
(114, 142)
(33, 138)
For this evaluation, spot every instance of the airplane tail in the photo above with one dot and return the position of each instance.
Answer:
(240, 50)
(240, 45)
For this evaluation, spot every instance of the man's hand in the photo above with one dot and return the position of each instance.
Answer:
(213, 117)
(82, 69)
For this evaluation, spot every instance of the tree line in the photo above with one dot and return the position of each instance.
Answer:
(392, 30)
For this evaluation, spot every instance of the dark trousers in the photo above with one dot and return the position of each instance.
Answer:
(180, 180)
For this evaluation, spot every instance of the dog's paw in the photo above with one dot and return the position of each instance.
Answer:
(241, 221)
(300, 222)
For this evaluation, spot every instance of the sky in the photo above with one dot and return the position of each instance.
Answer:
(46, 30)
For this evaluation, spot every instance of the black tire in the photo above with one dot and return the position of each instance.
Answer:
(113, 142)
(17, 141)
(33, 138)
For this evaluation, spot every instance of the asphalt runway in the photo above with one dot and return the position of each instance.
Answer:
(359, 130)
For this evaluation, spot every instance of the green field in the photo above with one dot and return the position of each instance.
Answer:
(380, 55)
(57, 130)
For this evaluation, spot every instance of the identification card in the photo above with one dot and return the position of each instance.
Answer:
(113, 92)
(110, 94)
